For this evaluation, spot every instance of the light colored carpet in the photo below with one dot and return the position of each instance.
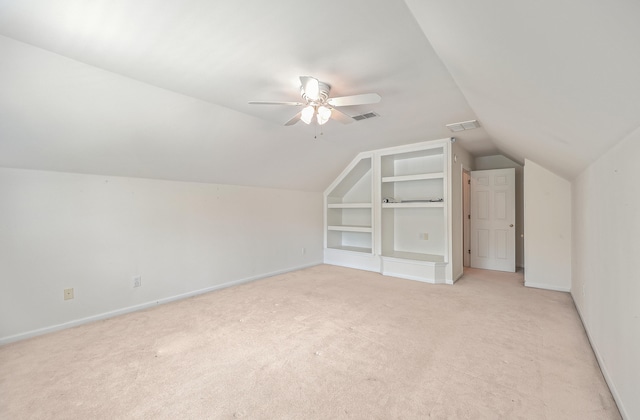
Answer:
(322, 343)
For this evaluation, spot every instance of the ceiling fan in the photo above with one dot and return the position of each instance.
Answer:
(317, 104)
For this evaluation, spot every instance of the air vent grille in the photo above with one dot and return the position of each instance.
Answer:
(365, 116)
(464, 125)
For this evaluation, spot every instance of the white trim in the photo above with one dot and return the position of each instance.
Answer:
(413, 147)
(547, 287)
(122, 311)
(457, 277)
(350, 206)
(418, 177)
(352, 259)
(411, 277)
(603, 367)
(360, 156)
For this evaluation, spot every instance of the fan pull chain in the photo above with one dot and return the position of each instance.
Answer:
(315, 129)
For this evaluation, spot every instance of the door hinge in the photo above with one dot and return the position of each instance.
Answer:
(469, 251)
(468, 216)
(469, 181)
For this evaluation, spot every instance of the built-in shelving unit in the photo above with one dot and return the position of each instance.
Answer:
(411, 205)
(387, 212)
(349, 209)
(416, 256)
(413, 220)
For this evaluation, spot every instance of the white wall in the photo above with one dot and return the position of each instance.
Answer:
(501, 162)
(605, 282)
(547, 221)
(93, 233)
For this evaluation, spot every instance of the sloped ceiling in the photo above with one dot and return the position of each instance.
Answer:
(160, 89)
(557, 82)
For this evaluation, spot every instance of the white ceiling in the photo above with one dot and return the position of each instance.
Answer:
(554, 81)
(160, 89)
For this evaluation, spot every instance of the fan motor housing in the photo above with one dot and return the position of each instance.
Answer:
(323, 95)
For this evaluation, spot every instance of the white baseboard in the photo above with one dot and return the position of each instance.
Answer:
(603, 367)
(415, 278)
(547, 287)
(122, 311)
(358, 260)
(456, 278)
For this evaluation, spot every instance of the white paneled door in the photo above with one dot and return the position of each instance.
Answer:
(493, 218)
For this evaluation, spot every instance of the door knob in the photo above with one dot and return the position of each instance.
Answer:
(511, 225)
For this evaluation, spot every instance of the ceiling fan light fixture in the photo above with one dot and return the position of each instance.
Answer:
(324, 114)
(312, 89)
(306, 115)
(318, 107)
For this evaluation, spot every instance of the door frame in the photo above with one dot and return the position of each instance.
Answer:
(466, 218)
(493, 218)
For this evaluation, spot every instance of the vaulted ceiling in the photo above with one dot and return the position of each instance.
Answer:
(159, 89)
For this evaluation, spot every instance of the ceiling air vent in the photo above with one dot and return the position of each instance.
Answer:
(464, 125)
(365, 116)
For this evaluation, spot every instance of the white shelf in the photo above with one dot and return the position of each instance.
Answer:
(352, 249)
(418, 177)
(413, 205)
(350, 206)
(415, 256)
(363, 229)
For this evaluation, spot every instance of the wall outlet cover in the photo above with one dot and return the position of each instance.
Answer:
(137, 281)
(68, 294)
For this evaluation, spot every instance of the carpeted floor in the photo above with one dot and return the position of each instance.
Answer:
(322, 343)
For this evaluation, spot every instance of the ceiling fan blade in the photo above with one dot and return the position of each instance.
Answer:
(362, 99)
(294, 120)
(275, 103)
(341, 116)
(311, 87)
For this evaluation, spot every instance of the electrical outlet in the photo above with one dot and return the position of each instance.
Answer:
(424, 236)
(68, 294)
(303, 251)
(137, 281)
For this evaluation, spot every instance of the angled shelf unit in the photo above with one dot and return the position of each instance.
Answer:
(349, 210)
(388, 212)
